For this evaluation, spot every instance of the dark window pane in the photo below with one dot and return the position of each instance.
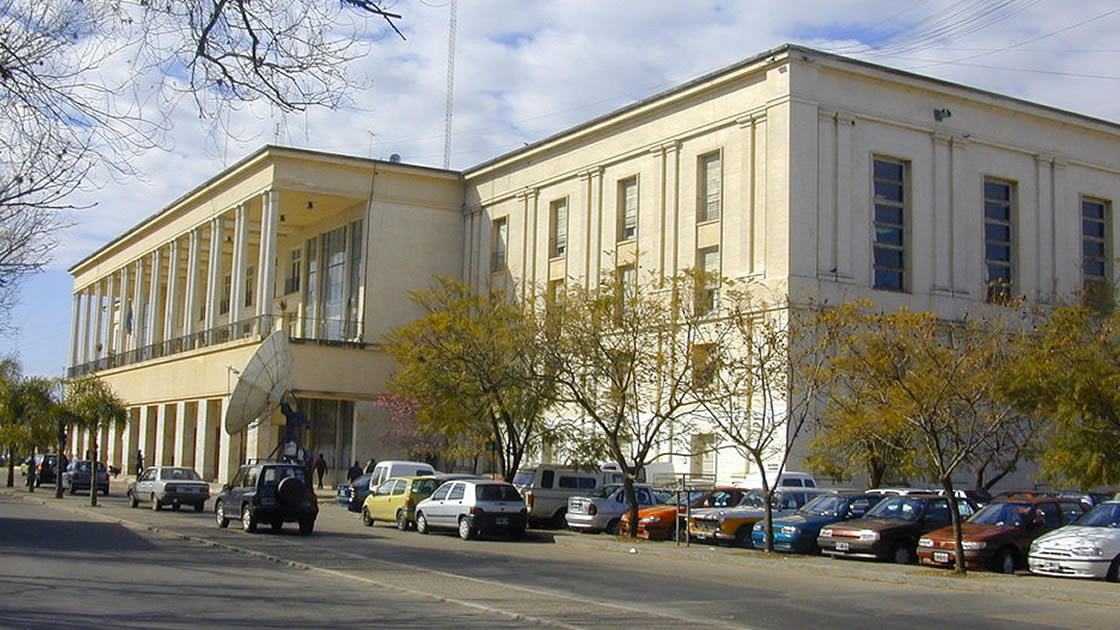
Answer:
(1094, 268)
(888, 235)
(997, 232)
(998, 211)
(888, 170)
(890, 280)
(888, 214)
(1092, 228)
(888, 191)
(1093, 249)
(997, 252)
(995, 190)
(999, 273)
(1092, 209)
(885, 257)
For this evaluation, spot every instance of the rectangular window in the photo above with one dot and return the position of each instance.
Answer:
(223, 304)
(890, 208)
(555, 290)
(295, 271)
(703, 365)
(998, 238)
(498, 236)
(628, 208)
(711, 187)
(558, 227)
(1095, 216)
(250, 284)
(707, 297)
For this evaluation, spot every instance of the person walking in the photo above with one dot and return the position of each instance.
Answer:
(321, 469)
(354, 472)
(139, 462)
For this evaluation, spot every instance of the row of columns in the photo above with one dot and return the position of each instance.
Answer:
(120, 312)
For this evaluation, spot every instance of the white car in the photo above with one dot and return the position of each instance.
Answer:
(169, 485)
(473, 507)
(602, 509)
(1089, 548)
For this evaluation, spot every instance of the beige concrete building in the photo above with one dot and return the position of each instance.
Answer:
(816, 175)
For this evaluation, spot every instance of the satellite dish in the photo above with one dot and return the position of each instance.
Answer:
(262, 384)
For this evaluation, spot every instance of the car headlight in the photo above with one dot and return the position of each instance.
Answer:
(1035, 548)
(925, 542)
(1086, 550)
(974, 545)
(721, 518)
(867, 535)
(791, 530)
(650, 519)
(827, 531)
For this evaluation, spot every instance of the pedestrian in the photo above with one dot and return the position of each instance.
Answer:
(139, 462)
(31, 476)
(354, 472)
(370, 465)
(321, 469)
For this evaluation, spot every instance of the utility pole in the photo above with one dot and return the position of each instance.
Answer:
(448, 111)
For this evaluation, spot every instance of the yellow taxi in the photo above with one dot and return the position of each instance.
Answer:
(395, 499)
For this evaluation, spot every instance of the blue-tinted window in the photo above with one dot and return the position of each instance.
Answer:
(889, 246)
(998, 238)
(1094, 242)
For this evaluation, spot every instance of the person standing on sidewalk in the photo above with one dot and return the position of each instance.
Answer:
(321, 469)
(354, 472)
(139, 462)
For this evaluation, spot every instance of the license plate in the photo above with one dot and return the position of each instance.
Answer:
(841, 546)
(941, 556)
(501, 520)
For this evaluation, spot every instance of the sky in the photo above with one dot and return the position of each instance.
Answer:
(527, 69)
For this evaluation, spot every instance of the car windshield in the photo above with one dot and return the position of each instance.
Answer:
(1012, 514)
(523, 478)
(425, 486)
(604, 492)
(905, 508)
(180, 474)
(279, 473)
(1105, 515)
(825, 505)
(84, 466)
(752, 499)
(496, 492)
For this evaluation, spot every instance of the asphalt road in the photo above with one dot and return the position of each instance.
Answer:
(121, 567)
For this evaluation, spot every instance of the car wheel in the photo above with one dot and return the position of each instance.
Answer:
(132, 500)
(248, 523)
(366, 519)
(198, 507)
(1113, 574)
(220, 515)
(1005, 562)
(743, 537)
(902, 554)
(306, 526)
(156, 505)
(421, 523)
(402, 520)
(466, 532)
(612, 527)
(558, 519)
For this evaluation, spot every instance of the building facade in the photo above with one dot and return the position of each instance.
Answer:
(818, 176)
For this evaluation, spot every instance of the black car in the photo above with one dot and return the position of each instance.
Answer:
(79, 473)
(272, 492)
(352, 496)
(46, 468)
(891, 529)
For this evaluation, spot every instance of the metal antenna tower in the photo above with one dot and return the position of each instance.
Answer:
(450, 87)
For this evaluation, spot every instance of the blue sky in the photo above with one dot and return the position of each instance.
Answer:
(528, 69)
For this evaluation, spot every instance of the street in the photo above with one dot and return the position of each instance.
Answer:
(66, 565)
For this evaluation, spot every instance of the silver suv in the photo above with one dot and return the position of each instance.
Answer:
(473, 507)
(601, 510)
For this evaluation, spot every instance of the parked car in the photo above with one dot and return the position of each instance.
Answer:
(900, 492)
(1088, 548)
(169, 485)
(393, 468)
(273, 492)
(999, 535)
(798, 532)
(734, 524)
(1020, 494)
(46, 468)
(1088, 498)
(656, 522)
(891, 529)
(979, 497)
(77, 476)
(789, 479)
(547, 489)
(601, 510)
(474, 507)
(352, 495)
(395, 500)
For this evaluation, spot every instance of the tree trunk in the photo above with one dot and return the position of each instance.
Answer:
(958, 538)
(93, 467)
(58, 460)
(631, 502)
(767, 515)
(11, 466)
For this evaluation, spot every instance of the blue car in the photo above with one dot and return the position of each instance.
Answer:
(798, 532)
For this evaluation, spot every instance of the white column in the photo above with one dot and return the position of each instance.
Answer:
(672, 209)
(266, 265)
(942, 213)
(171, 300)
(110, 305)
(98, 306)
(208, 439)
(122, 315)
(74, 328)
(240, 262)
(87, 319)
(138, 301)
(192, 284)
(214, 274)
(155, 322)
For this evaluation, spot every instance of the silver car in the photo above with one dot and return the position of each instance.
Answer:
(602, 509)
(473, 507)
(169, 485)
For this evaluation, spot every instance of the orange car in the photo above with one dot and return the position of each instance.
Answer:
(656, 521)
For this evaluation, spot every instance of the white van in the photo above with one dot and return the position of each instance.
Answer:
(789, 479)
(546, 489)
(397, 468)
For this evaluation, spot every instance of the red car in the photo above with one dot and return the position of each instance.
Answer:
(656, 521)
